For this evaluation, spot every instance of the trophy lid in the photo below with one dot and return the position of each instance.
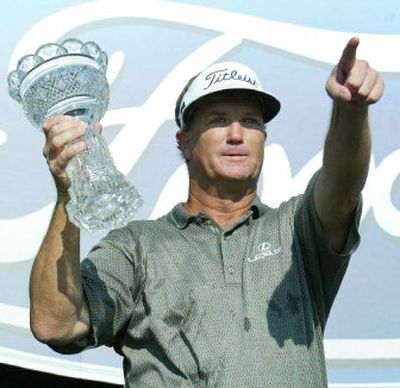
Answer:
(46, 54)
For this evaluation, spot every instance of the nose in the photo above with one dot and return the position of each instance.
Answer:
(235, 133)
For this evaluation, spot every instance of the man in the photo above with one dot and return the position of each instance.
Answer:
(222, 291)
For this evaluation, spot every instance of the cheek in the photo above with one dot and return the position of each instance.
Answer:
(258, 144)
(206, 145)
(199, 153)
(261, 152)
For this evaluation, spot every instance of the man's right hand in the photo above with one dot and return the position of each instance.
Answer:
(63, 141)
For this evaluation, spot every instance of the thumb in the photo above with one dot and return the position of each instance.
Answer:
(98, 127)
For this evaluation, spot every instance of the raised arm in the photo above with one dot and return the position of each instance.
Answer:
(353, 85)
(59, 312)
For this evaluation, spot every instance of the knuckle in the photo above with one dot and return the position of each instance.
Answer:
(56, 128)
(362, 64)
(66, 154)
(47, 126)
(352, 84)
(62, 161)
(53, 130)
(70, 152)
(51, 122)
(363, 94)
(55, 142)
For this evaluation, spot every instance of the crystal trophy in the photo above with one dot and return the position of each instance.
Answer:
(70, 79)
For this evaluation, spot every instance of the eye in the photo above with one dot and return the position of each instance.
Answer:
(252, 122)
(218, 121)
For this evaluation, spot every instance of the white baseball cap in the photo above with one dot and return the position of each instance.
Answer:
(227, 76)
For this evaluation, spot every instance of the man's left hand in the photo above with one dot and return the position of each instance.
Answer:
(352, 80)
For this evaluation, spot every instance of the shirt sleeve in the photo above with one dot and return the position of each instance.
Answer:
(111, 280)
(325, 268)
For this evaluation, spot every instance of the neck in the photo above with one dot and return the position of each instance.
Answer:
(225, 205)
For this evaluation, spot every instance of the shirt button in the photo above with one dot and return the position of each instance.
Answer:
(231, 270)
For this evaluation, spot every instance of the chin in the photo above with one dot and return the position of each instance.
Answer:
(238, 177)
(239, 174)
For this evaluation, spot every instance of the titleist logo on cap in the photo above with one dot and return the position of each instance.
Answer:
(223, 75)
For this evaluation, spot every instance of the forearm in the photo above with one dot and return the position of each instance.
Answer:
(347, 152)
(59, 311)
(344, 171)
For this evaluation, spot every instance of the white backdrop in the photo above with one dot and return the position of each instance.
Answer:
(154, 47)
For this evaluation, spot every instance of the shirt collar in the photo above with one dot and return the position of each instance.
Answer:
(180, 217)
(258, 208)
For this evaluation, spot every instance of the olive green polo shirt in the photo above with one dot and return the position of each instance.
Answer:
(188, 304)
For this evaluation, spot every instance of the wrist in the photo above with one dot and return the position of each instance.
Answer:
(354, 114)
(351, 107)
(63, 196)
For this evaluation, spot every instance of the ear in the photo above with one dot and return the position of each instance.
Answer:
(182, 140)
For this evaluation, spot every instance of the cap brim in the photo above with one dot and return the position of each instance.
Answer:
(270, 105)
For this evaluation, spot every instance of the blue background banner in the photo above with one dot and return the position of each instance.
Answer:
(154, 47)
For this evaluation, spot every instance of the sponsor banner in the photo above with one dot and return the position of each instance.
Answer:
(154, 47)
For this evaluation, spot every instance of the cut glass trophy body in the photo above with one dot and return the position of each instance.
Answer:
(70, 79)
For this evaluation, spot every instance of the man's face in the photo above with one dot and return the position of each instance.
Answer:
(227, 138)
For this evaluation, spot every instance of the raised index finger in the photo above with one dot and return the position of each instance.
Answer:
(348, 57)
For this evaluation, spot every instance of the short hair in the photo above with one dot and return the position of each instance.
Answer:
(184, 126)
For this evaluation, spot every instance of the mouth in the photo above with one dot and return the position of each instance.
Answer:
(234, 156)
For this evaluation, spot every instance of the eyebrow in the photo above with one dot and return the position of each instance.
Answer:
(219, 113)
(216, 112)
